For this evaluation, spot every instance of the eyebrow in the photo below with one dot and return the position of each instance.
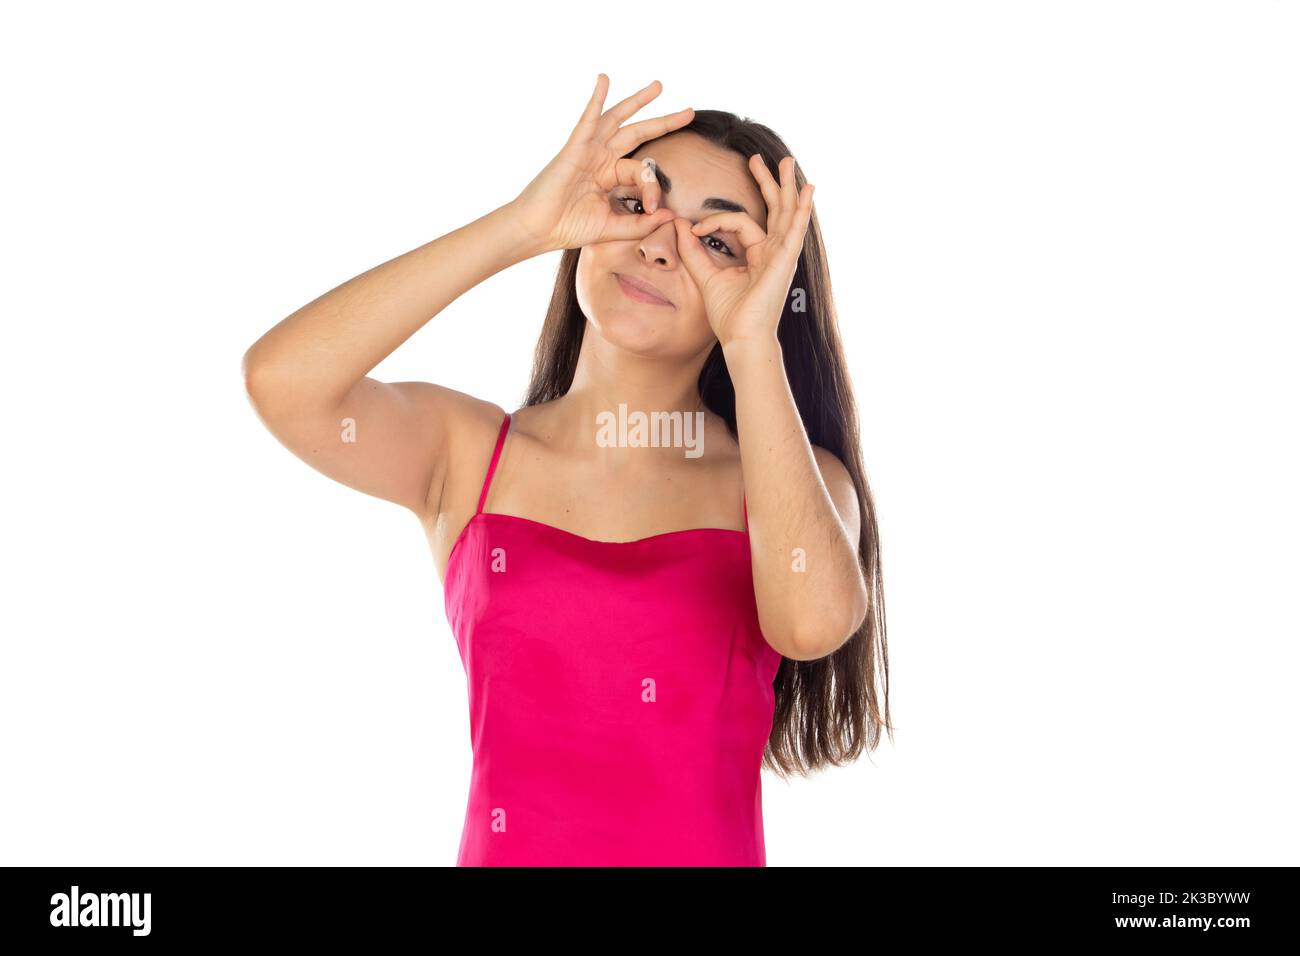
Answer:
(713, 202)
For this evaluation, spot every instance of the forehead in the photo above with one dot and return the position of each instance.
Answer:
(698, 170)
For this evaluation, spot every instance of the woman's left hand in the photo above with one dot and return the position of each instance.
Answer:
(747, 301)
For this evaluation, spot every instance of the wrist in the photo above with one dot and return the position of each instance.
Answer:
(763, 345)
(524, 242)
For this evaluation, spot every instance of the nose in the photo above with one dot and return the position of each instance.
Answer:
(659, 248)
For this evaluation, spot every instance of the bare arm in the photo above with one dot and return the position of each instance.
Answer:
(306, 377)
(803, 512)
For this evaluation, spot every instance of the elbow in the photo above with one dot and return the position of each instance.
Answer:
(251, 369)
(253, 372)
(827, 633)
(261, 384)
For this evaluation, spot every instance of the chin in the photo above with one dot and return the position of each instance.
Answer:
(637, 330)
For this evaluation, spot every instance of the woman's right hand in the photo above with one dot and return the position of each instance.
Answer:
(567, 205)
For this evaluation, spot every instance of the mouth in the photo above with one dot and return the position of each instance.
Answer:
(638, 290)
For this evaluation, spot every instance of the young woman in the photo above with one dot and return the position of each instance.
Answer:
(643, 625)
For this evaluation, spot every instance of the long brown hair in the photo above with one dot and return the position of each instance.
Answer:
(827, 710)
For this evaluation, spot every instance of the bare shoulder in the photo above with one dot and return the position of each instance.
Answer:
(466, 422)
(465, 412)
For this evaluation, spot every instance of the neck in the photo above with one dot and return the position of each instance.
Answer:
(608, 377)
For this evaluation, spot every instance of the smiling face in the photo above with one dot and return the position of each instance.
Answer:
(698, 178)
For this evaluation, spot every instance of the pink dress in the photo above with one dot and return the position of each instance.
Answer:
(620, 694)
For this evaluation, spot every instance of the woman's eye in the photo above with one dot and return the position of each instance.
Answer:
(624, 199)
(721, 246)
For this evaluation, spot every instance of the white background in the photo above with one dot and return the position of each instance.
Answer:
(1064, 244)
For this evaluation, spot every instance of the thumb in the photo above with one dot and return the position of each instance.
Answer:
(692, 254)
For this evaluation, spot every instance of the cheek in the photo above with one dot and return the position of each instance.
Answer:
(596, 258)
(692, 300)
(601, 258)
(586, 278)
(695, 321)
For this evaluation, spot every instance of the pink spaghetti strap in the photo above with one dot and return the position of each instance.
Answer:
(492, 465)
(744, 507)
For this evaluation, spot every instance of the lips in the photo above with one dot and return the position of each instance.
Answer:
(640, 290)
